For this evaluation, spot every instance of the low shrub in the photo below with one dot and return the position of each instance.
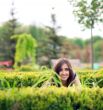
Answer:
(44, 77)
(51, 98)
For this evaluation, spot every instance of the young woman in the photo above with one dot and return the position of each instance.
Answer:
(64, 69)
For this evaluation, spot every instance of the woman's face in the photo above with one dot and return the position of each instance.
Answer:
(64, 72)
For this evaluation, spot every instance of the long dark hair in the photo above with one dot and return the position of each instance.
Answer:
(57, 69)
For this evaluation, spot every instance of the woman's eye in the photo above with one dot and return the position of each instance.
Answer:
(67, 69)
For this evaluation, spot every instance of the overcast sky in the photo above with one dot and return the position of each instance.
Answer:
(39, 12)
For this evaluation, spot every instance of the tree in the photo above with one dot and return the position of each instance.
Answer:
(7, 29)
(12, 26)
(7, 46)
(98, 46)
(53, 35)
(88, 13)
(25, 49)
(79, 42)
(43, 48)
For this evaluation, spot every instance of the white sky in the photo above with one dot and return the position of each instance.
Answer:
(39, 12)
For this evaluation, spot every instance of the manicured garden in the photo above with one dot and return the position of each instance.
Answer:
(30, 91)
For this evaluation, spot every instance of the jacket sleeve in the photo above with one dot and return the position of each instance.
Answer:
(77, 84)
(76, 81)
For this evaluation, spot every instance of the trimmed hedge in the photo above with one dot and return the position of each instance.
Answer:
(19, 79)
(83, 72)
(51, 98)
(24, 79)
(92, 79)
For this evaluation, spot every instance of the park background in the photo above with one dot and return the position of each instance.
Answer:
(30, 43)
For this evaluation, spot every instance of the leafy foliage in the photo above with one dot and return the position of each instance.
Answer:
(88, 12)
(45, 78)
(51, 98)
(25, 48)
(7, 45)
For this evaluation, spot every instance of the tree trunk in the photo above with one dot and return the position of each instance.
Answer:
(92, 51)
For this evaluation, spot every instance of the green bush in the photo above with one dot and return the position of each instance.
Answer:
(19, 79)
(24, 79)
(91, 78)
(51, 98)
(44, 77)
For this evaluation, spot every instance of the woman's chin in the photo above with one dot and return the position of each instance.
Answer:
(64, 79)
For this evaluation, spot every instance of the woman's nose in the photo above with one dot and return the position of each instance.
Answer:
(63, 72)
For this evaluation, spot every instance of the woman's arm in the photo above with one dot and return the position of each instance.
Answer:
(77, 84)
(76, 81)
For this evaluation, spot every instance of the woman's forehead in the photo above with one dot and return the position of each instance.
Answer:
(64, 65)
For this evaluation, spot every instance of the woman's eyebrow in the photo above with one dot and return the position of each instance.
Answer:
(64, 68)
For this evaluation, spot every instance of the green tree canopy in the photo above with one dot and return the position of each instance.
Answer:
(25, 49)
(79, 42)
